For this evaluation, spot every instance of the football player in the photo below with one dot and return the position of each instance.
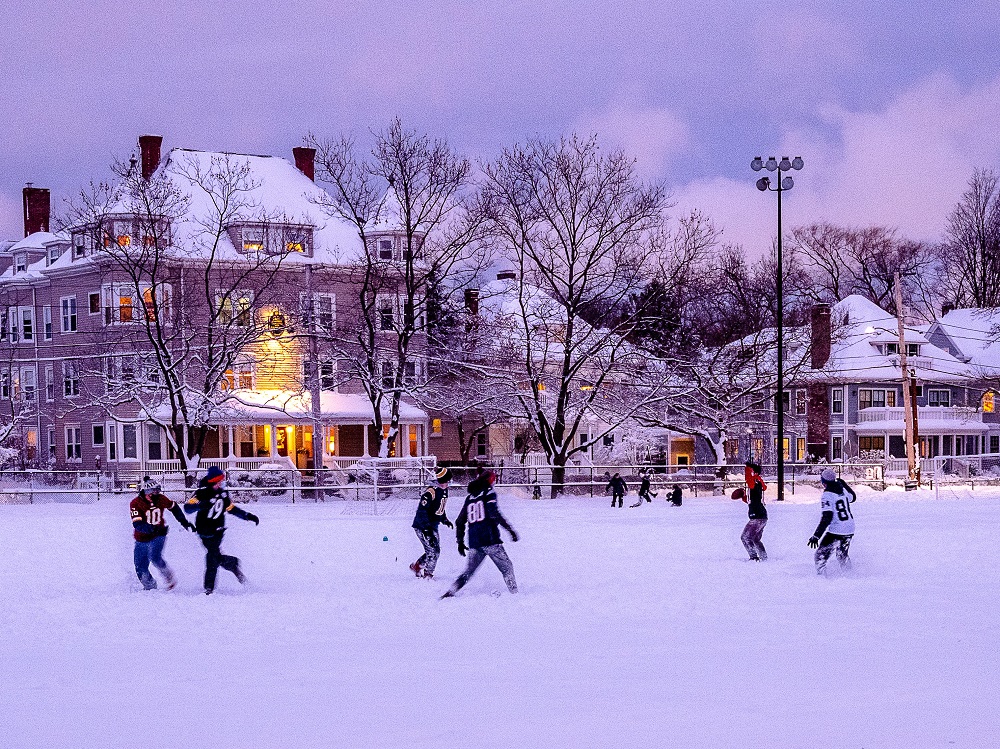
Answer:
(150, 532)
(836, 525)
(430, 514)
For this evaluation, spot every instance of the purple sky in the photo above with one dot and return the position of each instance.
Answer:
(891, 107)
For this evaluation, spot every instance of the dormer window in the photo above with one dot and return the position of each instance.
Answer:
(79, 246)
(273, 239)
(21, 262)
(253, 240)
(385, 249)
(912, 349)
(53, 255)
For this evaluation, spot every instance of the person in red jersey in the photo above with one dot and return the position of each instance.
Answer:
(150, 532)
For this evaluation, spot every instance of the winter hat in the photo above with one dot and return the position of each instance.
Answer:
(214, 475)
(150, 486)
(443, 475)
(828, 475)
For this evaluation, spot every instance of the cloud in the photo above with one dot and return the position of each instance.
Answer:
(11, 220)
(652, 135)
(903, 165)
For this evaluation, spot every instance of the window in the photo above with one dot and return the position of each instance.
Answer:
(939, 398)
(800, 448)
(800, 403)
(994, 443)
(385, 249)
(67, 305)
(253, 239)
(20, 262)
(50, 388)
(5, 385)
(79, 246)
(94, 303)
(388, 376)
(71, 379)
(786, 401)
(582, 438)
(52, 443)
(97, 438)
(154, 442)
(295, 240)
(868, 398)
(386, 313)
(322, 313)
(22, 324)
(46, 323)
(436, 428)
(240, 376)
(328, 374)
(112, 433)
(73, 444)
(481, 444)
(609, 440)
(918, 390)
(988, 402)
(235, 308)
(28, 383)
(413, 374)
(838, 401)
(786, 447)
(838, 448)
(53, 254)
(890, 398)
(871, 443)
(130, 444)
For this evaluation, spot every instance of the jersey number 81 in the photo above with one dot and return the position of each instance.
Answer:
(843, 510)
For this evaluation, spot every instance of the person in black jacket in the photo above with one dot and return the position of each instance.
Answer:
(618, 489)
(211, 501)
(753, 495)
(644, 492)
(482, 515)
(430, 513)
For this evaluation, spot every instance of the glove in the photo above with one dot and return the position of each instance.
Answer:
(253, 518)
(461, 549)
(513, 535)
(813, 542)
(188, 526)
(448, 523)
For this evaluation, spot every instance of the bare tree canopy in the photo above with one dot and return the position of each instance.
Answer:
(972, 244)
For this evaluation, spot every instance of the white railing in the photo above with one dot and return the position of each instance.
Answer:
(957, 414)
(226, 464)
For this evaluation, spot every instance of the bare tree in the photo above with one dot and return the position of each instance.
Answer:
(582, 233)
(416, 193)
(972, 244)
(182, 314)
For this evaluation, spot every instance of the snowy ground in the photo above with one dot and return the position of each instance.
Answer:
(635, 627)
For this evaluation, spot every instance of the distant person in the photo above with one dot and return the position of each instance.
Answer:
(753, 495)
(150, 532)
(430, 514)
(836, 525)
(674, 497)
(644, 489)
(482, 515)
(618, 489)
(211, 502)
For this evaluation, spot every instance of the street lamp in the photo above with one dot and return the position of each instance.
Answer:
(764, 185)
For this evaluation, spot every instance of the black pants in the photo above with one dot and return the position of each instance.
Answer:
(432, 550)
(832, 542)
(617, 496)
(476, 556)
(214, 558)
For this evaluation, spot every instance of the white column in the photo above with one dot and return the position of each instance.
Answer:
(274, 441)
(404, 430)
(365, 437)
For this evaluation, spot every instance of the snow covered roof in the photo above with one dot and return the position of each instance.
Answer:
(971, 335)
(37, 241)
(264, 406)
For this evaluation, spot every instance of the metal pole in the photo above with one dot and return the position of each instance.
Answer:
(781, 363)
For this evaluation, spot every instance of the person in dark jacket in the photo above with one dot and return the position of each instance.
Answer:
(618, 489)
(753, 495)
(482, 515)
(644, 492)
(675, 497)
(430, 514)
(211, 502)
(150, 532)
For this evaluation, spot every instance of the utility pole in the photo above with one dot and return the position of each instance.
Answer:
(912, 471)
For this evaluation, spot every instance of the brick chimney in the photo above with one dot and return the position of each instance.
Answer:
(820, 339)
(149, 153)
(946, 308)
(305, 161)
(36, 209)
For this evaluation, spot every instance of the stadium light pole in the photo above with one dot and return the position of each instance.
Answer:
(764, 185)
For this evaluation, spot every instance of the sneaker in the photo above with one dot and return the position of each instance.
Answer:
(416, 568)
(426, 575)
(208, 591)
(240, 576)
(170, 584)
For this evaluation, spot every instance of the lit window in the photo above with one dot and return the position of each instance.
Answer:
(253, 240)
(436, 428)
(124, 240)
(125, 309)
(293, 246)
(149, 240)
(988, 402)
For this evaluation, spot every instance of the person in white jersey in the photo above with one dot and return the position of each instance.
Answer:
(836, 525)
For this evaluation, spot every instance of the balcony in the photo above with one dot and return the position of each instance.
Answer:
(951, 419)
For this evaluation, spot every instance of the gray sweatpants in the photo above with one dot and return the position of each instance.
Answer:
(499, 556)
(432, 550)
(751, 539)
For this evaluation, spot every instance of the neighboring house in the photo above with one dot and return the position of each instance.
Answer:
(78, 381)
(849, 402)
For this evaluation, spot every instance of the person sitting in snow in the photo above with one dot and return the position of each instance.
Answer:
(150, 532)
(675, 498)
(430, 514)
(211, 502)
(836, 525)
(482, 515)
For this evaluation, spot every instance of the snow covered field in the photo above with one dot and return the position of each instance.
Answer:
(635, 627)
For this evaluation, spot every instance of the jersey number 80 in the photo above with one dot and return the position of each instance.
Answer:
(476, 512)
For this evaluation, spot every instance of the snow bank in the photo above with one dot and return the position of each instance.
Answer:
(634, 627)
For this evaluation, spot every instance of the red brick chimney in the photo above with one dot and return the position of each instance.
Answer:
(149, 152)
(820, 338)
(36, 209)
(305, 161)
